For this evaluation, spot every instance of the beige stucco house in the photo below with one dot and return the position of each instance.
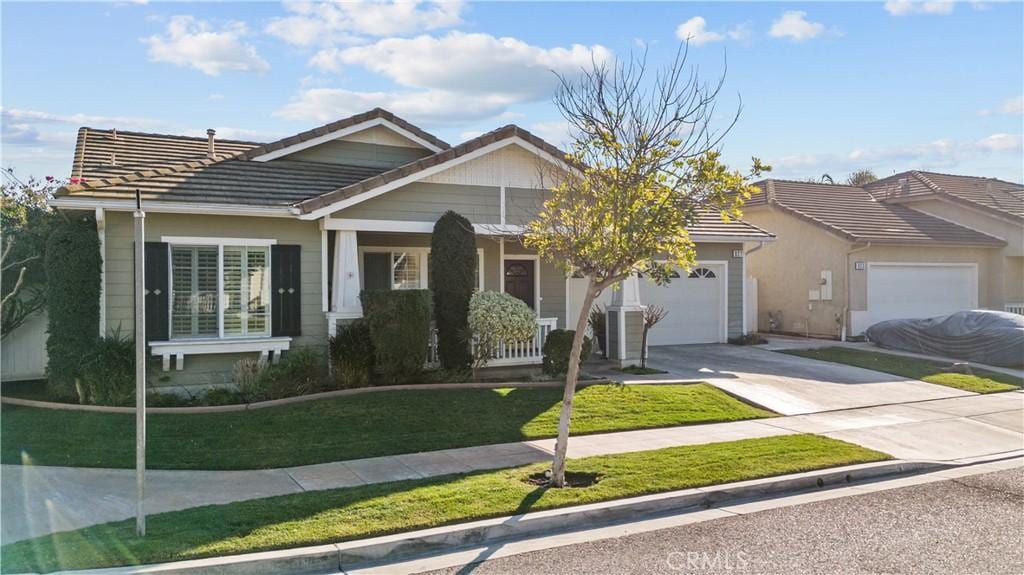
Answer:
(915, 244)
(258, 248)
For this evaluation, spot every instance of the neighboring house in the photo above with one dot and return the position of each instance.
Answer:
(256, 248)
(912, 245)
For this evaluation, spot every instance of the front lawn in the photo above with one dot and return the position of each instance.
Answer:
(357, 512)
(353, 427)
(981, 381)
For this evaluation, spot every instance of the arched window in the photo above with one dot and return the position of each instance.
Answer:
(516, 270)
(702, 273)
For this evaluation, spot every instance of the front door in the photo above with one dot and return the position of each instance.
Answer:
(519, 280)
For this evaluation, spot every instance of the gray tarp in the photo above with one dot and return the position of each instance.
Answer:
(991, 337)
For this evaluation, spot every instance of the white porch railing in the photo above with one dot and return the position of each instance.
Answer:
(1017, 308)
(522, 353)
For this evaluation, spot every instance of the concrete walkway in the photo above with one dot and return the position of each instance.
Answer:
(39, 500)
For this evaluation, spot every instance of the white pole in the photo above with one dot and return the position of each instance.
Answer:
(140, 365)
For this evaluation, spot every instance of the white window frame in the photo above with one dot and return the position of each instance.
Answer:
(423, 254)
(219, 243)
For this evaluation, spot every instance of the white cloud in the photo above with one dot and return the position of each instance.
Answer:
(469, 135)
(331, 23)
(1001, 143)
(468, 63)
(904, 7)
(229, 133)
(741, 32)
(555, 132)
(430, 107)
(793, 24)
(17, 115)
(193, 43)
(696, 33)
(1009, 107)
(214, 97)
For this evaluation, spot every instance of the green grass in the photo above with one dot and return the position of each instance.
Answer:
(352, 427)
(981, 381)
(357, 512)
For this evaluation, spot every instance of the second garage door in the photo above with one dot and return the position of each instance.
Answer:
(900, 291)
(695, 303)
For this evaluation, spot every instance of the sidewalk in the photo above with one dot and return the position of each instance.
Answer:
(40, 500)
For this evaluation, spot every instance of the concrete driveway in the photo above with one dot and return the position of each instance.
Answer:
(788, 384)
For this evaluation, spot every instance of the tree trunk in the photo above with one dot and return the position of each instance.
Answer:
(562, 444)
(643, 350)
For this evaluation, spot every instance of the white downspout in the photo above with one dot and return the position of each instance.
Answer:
(849, 290)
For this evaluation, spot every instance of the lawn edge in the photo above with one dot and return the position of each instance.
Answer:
(367, 552)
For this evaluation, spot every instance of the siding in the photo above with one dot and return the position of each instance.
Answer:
(212, 369)
(425, 202)
(634, 334)
(523, 204)
(510, 166)
(723, 252)
(359, 154)
(613, 335)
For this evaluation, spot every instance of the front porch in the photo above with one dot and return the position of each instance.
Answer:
(374, 254)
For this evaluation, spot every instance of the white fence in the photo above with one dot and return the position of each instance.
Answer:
(520, 353)
(1017, 308)
(23, 353)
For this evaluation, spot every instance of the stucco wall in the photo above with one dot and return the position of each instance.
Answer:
(1011, 232)
(212, 369)
(788, 268)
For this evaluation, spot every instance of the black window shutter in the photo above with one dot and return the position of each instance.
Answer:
(285, 290)
(157, 292)
(376, 271)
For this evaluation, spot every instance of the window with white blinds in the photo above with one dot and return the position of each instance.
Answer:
(242, 306)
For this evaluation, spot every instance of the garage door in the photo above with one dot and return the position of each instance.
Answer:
(695, 305)
(900, 291)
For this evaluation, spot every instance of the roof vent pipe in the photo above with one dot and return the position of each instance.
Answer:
(904, 186)
(113, 133)
(210, 147)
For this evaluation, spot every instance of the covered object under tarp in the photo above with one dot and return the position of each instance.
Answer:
(982, 336)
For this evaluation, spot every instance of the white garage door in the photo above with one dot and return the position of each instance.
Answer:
(901, 291)
(695, 305)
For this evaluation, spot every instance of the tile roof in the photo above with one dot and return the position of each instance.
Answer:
(341, 125)
(853, 214)
(101, 154)
(441, 157)
(709, 223)
(230, 181)
(988, 194)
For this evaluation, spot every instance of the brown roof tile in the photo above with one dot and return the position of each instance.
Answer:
(988, 194)
(852, 213)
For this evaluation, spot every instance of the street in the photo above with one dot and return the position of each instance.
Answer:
(969, 525)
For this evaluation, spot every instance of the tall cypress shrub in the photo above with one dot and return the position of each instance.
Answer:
(72, 301)
(453, 274)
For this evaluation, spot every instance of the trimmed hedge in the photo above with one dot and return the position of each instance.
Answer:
(352, 354)
(453, 273)
(556, 351)
(72, 301)
(400, 331)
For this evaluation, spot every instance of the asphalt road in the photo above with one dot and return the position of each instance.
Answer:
(969, 525)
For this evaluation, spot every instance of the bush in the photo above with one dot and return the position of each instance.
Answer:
(352, 354)
(72, 301)
(556, 351)
(453, 273)
(496, 317)
(748, 339)
(300, 372)
(399, 323)
(222, 396)
(247, 374)
(108, 372)
(598, 321)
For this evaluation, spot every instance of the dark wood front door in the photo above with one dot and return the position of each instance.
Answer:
(519, 280)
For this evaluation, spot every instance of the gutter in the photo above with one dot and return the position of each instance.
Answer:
(849, 290)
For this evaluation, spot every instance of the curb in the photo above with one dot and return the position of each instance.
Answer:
(333, 558)
(299, 398)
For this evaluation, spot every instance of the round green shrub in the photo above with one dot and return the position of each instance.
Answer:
(72, 301)
(557, 347)
(496, 317)
(399, 330)
(453, 276)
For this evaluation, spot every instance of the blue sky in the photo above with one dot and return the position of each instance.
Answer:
(826, 87)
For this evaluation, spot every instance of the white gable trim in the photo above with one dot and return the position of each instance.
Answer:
(337, 134)
(383, 189)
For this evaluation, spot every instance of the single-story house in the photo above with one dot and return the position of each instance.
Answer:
(256, 248)
(911, 245)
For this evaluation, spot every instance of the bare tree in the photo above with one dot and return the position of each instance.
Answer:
(643, 167)
(652, 315)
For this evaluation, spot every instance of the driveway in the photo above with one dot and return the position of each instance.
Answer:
(788, 384)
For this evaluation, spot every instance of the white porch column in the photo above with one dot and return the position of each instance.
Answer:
(625, 323)
(346, 273)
